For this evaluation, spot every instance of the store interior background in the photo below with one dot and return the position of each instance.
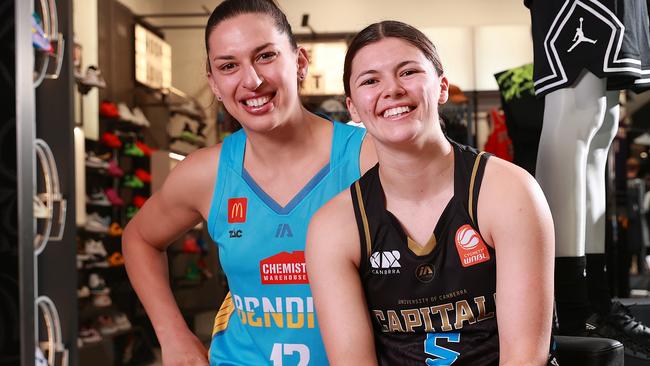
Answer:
(475, 38)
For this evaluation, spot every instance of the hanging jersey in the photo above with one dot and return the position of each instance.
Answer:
(268, 317)
(431, 305)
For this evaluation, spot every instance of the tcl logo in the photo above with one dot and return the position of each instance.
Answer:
(237, 209)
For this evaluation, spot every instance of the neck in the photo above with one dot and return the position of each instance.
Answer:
(417, 171)
(287, 142)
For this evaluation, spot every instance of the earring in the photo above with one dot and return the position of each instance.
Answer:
(301, 77)
(218, 98)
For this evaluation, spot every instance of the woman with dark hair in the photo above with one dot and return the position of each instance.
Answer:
(412, 255)
(257, 191)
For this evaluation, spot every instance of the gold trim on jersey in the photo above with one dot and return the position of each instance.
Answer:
(419, 250)
(223, 316)
(471, 186)
(364, 218)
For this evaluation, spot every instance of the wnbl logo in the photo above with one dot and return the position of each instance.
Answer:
(387, 259)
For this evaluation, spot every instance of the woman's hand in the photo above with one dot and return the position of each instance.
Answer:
(184, 350)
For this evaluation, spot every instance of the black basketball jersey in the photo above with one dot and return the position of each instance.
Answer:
(430, 305)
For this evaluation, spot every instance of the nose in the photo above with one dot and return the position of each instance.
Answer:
(251, 79)
(393, 88)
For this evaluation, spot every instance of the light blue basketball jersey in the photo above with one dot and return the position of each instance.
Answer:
(268, 316)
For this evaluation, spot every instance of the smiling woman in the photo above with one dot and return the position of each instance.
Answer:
(400, 257)
(261, 185)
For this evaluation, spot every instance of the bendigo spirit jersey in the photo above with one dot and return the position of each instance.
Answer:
(268, 316)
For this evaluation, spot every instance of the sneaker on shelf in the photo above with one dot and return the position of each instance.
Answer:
(121, 321)
(95, 248)
(144, 147)
(133, 150)
(139, 118)
(182, 147)
(192, 272)
(83, 292)
(125, 113)
(115, 229)
(138, 201)
(89, 335)
(190, 245)
(113, 197)
(116, 259)
(97, 285)
(111, 140)
(96, 262)
(143, 175)
(98, 198)
(106, 325)
(96, 223)
(189, 135)
(189, 109)
(132, 181)
(131, 211)
(93, 161)
(114, 170)
(93, 77)
(109, 110)
(620, 324)
(102, 300)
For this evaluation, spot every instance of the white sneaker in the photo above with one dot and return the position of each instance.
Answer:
(83, 292)
(97, 285)
(98, 198)
(93, 77)
(125, 113)
(122, 322)
(92, 161)
(139, 118)
(95, 248)
(96, 223)
(102, 300)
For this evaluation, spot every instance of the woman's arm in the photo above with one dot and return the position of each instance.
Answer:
(514, 217)
(165, 216)
(332, 264)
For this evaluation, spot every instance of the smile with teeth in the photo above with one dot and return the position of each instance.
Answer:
(397, 111)
(257, 102)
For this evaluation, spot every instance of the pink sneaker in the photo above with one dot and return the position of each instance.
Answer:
(113, 197)
(114, 169)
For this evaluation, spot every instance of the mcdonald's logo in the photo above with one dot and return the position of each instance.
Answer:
(237, 209)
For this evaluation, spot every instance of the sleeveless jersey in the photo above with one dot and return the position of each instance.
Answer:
(431, 305)
(268, 316)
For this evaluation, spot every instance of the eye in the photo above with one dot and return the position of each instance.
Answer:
(368, 82)
(227, 67)
(408, 72)
(266, 56)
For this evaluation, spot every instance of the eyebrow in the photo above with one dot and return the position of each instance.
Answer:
(400, 65)
(229, 57)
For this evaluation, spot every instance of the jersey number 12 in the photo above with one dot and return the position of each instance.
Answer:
(287, 349)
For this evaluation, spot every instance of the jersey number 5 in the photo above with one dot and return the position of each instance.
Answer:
(445, 356)
(287, 349)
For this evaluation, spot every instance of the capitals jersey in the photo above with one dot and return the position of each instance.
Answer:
(268, 316)
(433, 305)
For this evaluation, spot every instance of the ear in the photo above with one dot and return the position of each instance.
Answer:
(444, 90)
(353, 110)
(302, 62)
(213, 86)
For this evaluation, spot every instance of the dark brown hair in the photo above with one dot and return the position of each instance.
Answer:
(232, 8)
(389, 28)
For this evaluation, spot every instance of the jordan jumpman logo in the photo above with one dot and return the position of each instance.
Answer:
(580, 37)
